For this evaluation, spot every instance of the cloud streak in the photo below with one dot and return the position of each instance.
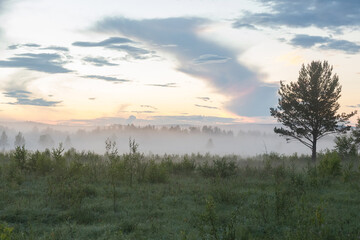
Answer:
(41, 62)
(210, 58)
(99, 61)
(165, 85)
(109, 79)
(307, 41)
(205, 106)
(305, 13)
(23, 98)
(104, 43)
(148, 106)
(204, 98)
(119, 44)
(56, 48)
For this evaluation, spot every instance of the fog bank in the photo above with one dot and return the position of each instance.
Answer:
(242, 139)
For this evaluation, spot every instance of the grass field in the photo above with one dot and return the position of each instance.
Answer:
(71, 195)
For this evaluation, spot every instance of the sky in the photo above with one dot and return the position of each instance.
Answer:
(99, 62)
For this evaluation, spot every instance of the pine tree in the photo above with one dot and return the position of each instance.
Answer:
(308, 107)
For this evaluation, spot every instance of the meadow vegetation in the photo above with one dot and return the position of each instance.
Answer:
(58, 194)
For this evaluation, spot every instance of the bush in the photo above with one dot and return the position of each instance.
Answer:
(6, 233)
(346, 147)
(329, 164)
(222, 168)
(40, 162)
(157, 172)
(187, 165)
(20, 157)
(211, 226)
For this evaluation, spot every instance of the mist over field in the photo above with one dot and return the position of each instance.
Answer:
(242, 139)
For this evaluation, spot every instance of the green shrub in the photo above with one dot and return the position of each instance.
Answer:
(13, 173)
(20, 155)
(157, 172)
(222, 168)
(330, 164)
(68, 192)
(211, 226)
(186, 165)
(6, 233)
(346, 147)
(40, 162)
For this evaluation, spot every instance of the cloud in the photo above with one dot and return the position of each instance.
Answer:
(3, 4)
(342, 45)
(193, 119)
(16, 46)
(255, 104)
(42, 62)
(99, 61)
(305, 13)
(13, 47)
(239, 24)
(23, 98)
(34, 45)
(140, 112)
(135, 52)
(353, 106)
(204, 98)
(204, 106)
(307, 41)
(166, 85)
(119, 44)
(210, 58)
(148, 106)
(109, 79)
(56, 48)
(107, 42)
(230, 78)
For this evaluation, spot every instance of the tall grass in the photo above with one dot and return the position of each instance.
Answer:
(57, 194)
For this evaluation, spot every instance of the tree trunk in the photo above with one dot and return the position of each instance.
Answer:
(313, 156)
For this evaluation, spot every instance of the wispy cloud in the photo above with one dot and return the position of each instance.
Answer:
(305, 13)
(140, 112)
(30, 45)
(106, 78)
(342, 45)
(134, 52)
(233, 79)
(306, 41)
(119, 44)
(204, 98)
(327, 43)
(99, 61)
(239, 24)
(42, 62)
(166, 85)
(205, 106)
(210, 58)
(354, 106)
(56, 48)
(24, 98)
(104, 43)
(148, 106)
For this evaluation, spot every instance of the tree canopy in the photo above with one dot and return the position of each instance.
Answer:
(308, 107)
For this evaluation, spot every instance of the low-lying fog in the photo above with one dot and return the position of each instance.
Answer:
(242, 139)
